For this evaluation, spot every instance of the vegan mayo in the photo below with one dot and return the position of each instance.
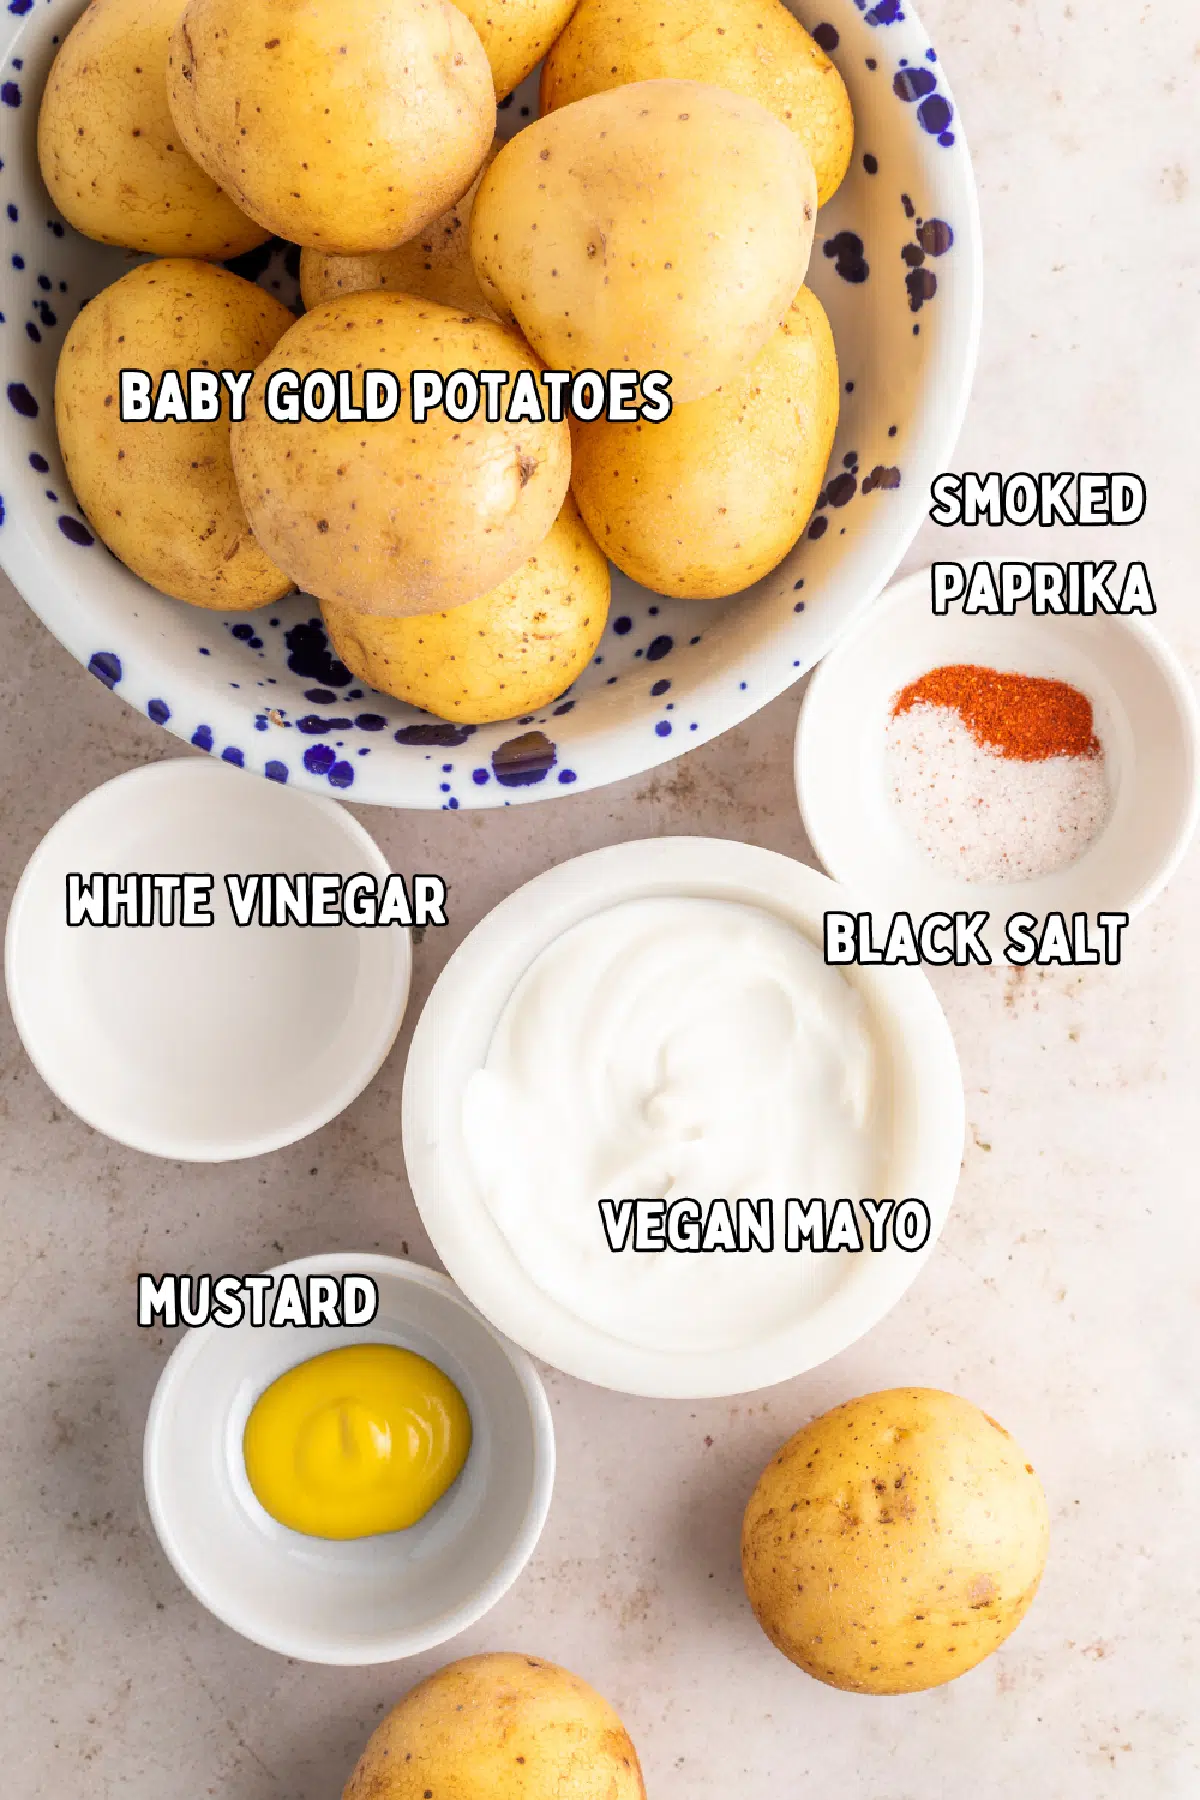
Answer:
(669, 1048)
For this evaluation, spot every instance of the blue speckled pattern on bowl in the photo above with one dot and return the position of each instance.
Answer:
(897, 266)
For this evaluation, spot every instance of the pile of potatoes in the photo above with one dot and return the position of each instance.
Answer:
(658, 215)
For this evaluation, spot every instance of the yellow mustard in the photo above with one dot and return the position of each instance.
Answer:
(355, 1442)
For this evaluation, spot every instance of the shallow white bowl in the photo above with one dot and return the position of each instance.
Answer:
(1146, 717)
(451, 1041)
(202, 1043)
(380, 1598)
(263, 688)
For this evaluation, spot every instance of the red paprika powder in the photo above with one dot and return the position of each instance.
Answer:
(1026, 717)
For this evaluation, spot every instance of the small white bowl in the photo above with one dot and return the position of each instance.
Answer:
(202, 1043)
(451, 1042)
(1146, 718)
(375, 1599)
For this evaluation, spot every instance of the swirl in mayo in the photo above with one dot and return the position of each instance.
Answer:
(670, 1048)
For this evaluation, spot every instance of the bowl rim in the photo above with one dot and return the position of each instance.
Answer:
(806, 765)
(413, 1642)
(477, 981)
(626, 747)
(184, 770)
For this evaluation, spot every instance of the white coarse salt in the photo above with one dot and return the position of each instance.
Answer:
(985, 816)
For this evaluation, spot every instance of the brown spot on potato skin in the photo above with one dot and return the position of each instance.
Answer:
(982, 1592)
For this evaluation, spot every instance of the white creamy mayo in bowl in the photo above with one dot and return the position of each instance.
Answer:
(672, 1048)
(653, 1024)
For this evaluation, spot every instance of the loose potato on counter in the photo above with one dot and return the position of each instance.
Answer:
(511, 651)
(435, 264)
(665, 225)
(516, 34)
(894, 1542)
(708, 500)
(109, 152)
(499, 1727)
(754, 47)
(347, 128)
(162, 496)
(395, 517)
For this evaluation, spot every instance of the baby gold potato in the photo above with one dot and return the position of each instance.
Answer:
(396, 517)
(344, 127)
(162, 496)
(514, 649)
(516, 34)
(109, 151)
(664, 225)
(754, 47)
(436, 263)
(708, 500)
(895, 1542)
(499, 1727)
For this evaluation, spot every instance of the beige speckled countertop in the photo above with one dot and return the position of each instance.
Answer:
(1063, 1296)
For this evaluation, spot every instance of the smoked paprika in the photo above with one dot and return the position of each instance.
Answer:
(1025, 717)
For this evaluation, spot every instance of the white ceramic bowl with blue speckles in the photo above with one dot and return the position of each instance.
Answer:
(897, 266)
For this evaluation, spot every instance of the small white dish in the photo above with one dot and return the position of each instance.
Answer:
(1146, 718)
(375, 1599)
(202, 1043)
(920, 1076)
